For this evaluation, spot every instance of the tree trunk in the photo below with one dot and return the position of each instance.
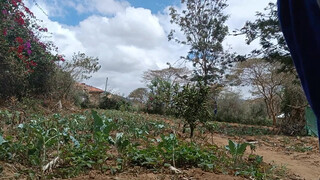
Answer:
(184, 128)
(192, 127)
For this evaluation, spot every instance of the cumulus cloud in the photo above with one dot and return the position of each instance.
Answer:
(131, 40)
(127, 44)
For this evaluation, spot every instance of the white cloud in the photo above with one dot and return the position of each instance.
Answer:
(240, 12)
(132, 40)
(127, 44)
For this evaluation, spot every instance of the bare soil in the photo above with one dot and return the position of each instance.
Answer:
(300, 165)
(192, 174)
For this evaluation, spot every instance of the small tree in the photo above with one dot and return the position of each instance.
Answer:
(162, 84)
(203, 24)
(160, 96)
(171, 74)
(81, 66)
(139, 95)
(190, 103)
(293, 106)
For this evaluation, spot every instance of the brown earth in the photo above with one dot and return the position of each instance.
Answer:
(301, 165)
(192, 174)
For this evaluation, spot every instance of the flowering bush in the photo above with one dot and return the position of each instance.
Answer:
(26, 63)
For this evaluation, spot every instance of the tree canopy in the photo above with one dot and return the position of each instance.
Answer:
(203, 24)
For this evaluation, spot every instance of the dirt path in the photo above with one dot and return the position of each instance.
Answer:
(193, 174)
(305, 165)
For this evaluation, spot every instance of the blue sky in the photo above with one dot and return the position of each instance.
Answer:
(72, 17)
(154, 5)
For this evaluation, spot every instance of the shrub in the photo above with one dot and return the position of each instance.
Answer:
(26, 63)
(293, 107)
(110, 101)
(190, 103)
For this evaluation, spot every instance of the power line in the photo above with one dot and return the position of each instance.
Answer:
(35, 3)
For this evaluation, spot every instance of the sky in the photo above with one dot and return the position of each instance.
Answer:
(128, 36)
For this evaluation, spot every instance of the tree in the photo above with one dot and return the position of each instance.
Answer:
(171, 74)
(160, 96)
(203, 24)
(266, 81)
(231, 107)
(139, 95)
(293, 104)
(190, 103)
(266, 29)
(81, 66)
(162, 84)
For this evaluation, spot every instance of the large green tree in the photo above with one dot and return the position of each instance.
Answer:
(203, 24)
(266, 29)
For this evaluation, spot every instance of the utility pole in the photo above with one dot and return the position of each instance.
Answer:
(106, 85)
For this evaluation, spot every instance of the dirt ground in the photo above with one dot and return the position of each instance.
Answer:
(193, 174)
(301, 165)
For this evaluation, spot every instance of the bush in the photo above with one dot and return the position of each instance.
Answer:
(110, 101)
(293, 107)
(231, 108)
(191, 104)
(26, 64)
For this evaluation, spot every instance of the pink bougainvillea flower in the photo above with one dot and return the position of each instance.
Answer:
(19, 40)
(29, 52)
(5, 32)
(28, 11)
(21, 57)
(4, 12)
(43, 29)
(32, 63)
(60, 57)
(20, 49)
(14, 3)
(21, 14)
(28, 45)
(19, 20)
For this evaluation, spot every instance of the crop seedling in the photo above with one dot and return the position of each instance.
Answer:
(236, 150)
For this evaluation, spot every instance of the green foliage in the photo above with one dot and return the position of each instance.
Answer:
(203, 24)
(81, 66)
(26, 64)
(172, 151)
(110, 101)
(191, 104)
(231, 108)
(293, 106)
(160, 96)
(111, 141)
(236, 150)
(266, 28)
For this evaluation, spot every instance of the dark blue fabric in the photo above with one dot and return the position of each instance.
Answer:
(300, 23)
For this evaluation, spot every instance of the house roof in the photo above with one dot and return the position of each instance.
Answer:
(89, 88)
